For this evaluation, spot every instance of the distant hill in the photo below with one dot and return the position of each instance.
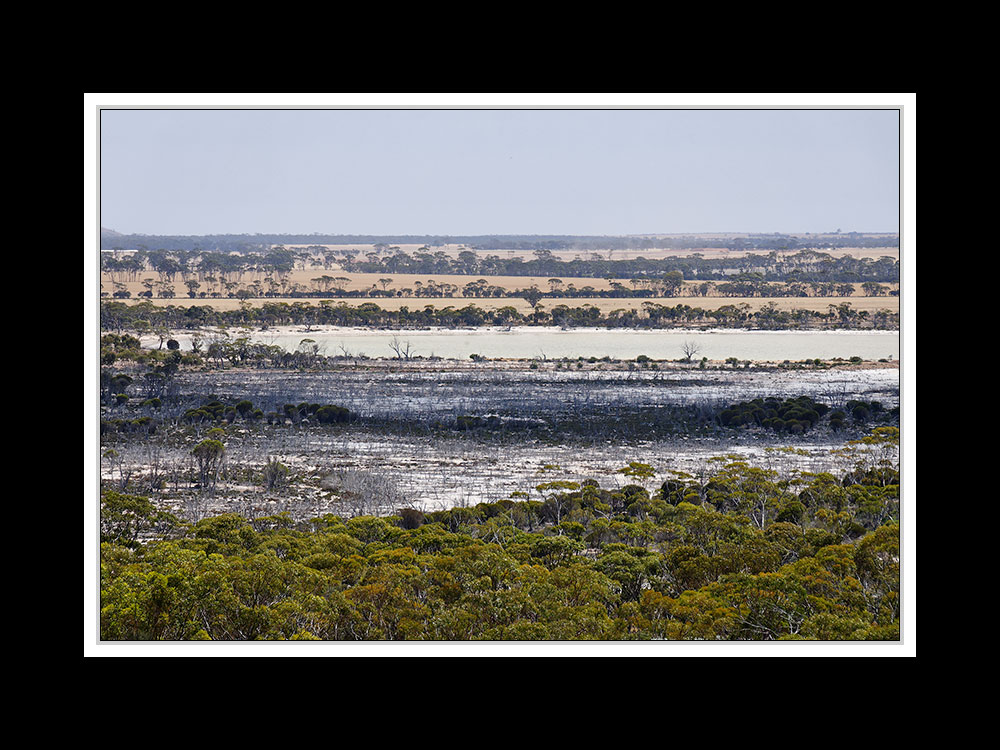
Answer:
(111, 239)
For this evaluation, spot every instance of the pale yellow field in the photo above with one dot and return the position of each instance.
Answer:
(361, 281)
(310, 281)
(822, 304)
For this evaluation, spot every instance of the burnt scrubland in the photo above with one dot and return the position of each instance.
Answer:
(746, 555)
(256, 494)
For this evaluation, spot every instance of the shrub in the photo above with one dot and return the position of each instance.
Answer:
(411, 518)
(275, 474)
(331, 414)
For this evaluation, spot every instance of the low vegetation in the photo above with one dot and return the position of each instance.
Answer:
(744, 554)
(145, 317)
(238, 502)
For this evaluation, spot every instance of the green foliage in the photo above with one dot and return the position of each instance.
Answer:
(638, 470)
(763, 556)
(791, 415)
(125, 519)
(209, 454)
(219, 412)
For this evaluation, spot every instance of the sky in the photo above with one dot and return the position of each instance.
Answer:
(498, 171)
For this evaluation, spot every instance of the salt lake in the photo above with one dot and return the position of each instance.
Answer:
(555, 343)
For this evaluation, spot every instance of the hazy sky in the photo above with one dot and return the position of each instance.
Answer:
(498, 171)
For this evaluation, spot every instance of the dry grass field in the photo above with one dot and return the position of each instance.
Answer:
(323, 280)
(362, 281)
(311, 280)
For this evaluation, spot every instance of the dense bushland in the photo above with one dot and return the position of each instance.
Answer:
(742, 554)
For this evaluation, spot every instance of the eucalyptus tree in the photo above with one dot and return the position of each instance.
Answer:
(209, 454)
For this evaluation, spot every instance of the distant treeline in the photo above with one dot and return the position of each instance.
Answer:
(195, 268)
(802, 266)
(144, 316)
(258, 242)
